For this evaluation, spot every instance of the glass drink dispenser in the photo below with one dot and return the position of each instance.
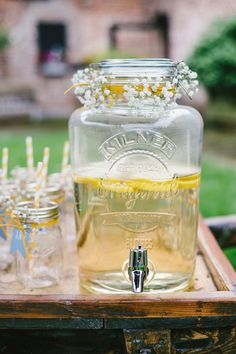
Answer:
(136, 173)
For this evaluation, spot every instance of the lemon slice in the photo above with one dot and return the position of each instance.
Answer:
(135, 185)
(116, 186)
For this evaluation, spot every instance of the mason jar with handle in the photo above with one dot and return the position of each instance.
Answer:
(136, 172)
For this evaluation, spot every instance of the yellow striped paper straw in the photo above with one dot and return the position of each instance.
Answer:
(38, 184)
(46, 155)
(65, 158)
(4, 164)
(29, 154)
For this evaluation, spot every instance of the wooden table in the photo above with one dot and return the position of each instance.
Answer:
(61, 320)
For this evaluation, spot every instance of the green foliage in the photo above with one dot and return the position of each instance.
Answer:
(109, 54)
(214, 59)
(4, 39)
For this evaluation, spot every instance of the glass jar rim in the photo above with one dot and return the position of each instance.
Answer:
(27, 211)
(50, 190)
(137, 62)
(134, 67)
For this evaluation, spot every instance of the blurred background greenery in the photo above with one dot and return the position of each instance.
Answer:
(214, 59)
(4, 39)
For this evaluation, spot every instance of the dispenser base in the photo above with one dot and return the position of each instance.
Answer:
(115, 283)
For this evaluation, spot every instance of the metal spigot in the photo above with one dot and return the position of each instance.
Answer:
(138, 268)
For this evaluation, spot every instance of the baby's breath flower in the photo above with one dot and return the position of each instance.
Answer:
(89, 88)
(192, 75)
(87, 94)
(191, 93)
(154, 88)
(168, 85)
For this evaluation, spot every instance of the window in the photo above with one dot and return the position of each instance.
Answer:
(52, 49)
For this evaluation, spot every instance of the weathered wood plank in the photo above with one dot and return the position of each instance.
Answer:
(128, 323)
(49, 324)
(152, 341)
(176, 341)
(202, 279)
(167, 305)
(64, 342)
(221, 270)
(168, 323)
(204, 341)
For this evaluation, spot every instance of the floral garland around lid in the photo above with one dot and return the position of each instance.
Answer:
(95, 89)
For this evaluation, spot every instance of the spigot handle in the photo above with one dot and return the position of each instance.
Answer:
(138, 268)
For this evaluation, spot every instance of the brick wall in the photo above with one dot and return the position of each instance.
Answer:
(88, 23)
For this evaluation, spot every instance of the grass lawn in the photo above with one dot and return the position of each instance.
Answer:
(218, 187)
(218, 190)
(51, 135)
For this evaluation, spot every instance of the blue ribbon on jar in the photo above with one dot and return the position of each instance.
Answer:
(19, 241)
